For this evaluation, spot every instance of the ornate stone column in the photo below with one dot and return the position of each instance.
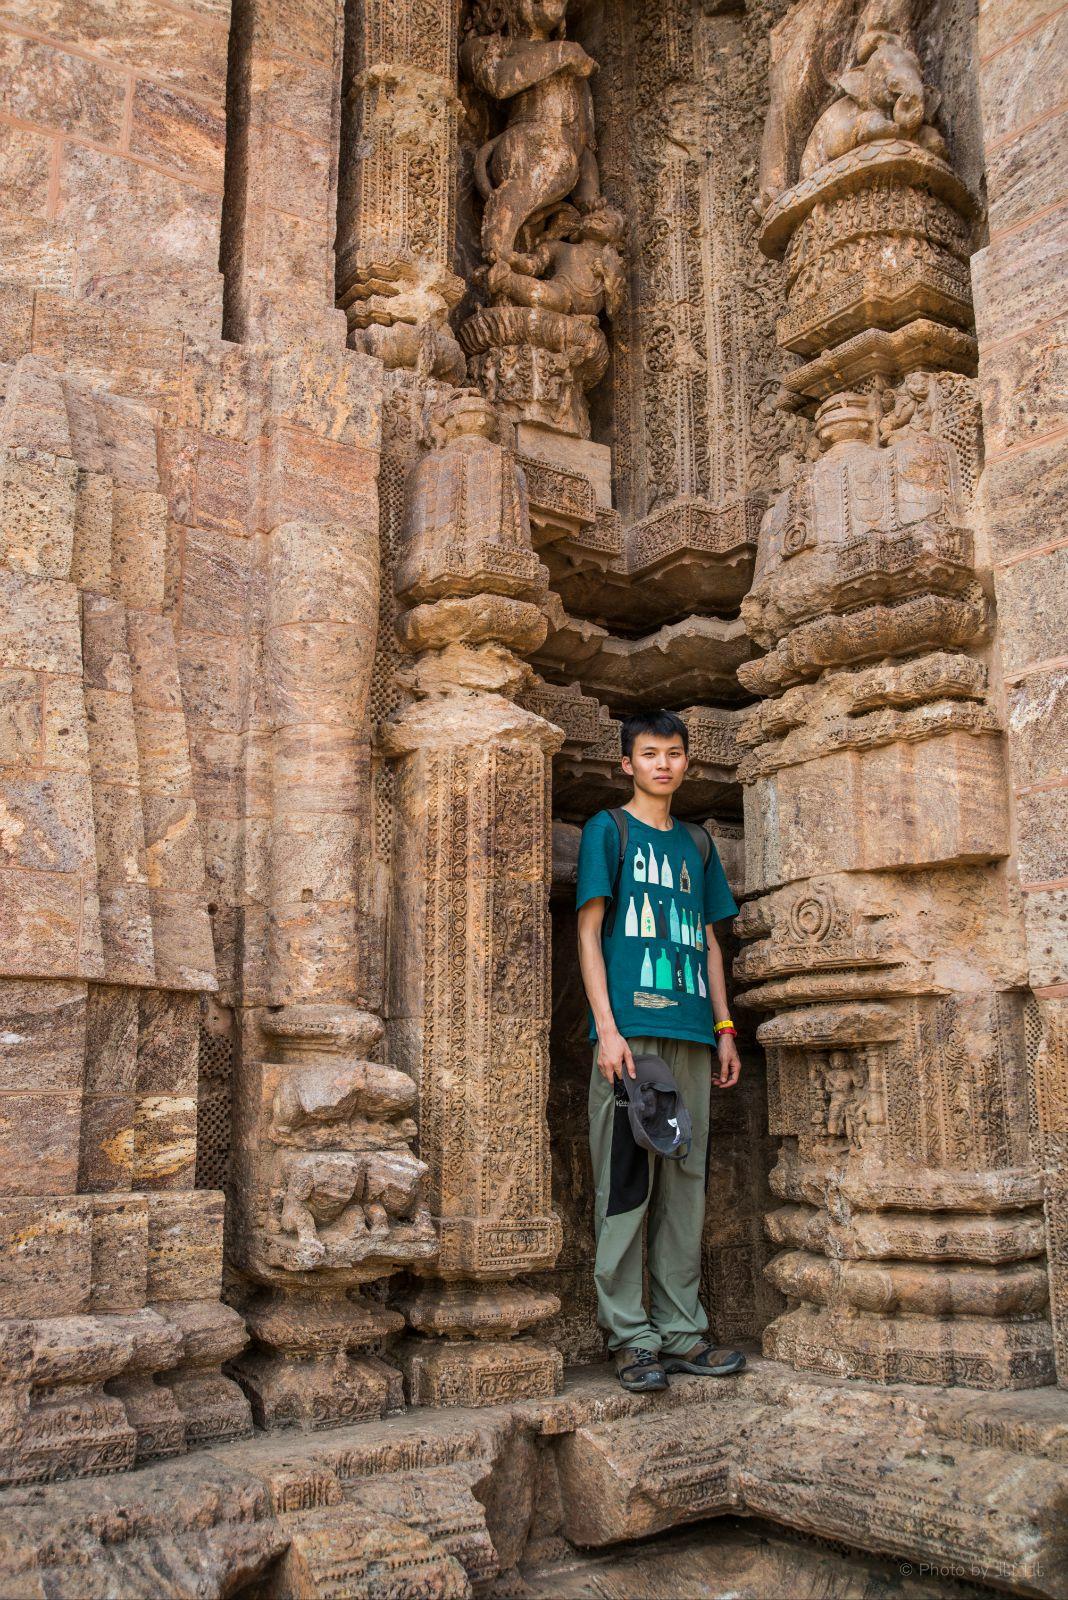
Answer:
(328, 1192)
(887, 937)
(397, 192)
(469, 956)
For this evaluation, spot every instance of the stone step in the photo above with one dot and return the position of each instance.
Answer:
(880, 1481)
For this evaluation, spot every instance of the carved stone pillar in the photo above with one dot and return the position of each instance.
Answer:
(470, 963)
(397, 200)
(887, 935)
(328, 1192)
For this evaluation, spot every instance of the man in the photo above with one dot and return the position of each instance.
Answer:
(654, 981)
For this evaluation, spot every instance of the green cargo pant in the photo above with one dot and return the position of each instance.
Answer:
(630, 1181)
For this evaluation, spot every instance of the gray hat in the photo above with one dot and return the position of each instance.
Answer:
(659, 1120)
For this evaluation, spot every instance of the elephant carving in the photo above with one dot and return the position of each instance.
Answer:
(883, 97)
(354, 1195)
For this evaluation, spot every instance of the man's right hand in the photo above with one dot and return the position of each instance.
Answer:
(613, 1055)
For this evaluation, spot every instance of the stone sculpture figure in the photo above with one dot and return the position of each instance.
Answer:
(808, 50)
(867, 59)
(316, 1100)
(839, 1082)
(400, 312)
(883, 96)
(550, 242)
(910, 406)
(360, 1193)
(546, 152)
(577, 265)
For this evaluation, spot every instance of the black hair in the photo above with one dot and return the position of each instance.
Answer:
(663, 723)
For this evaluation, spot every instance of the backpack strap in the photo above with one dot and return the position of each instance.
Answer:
(700, 836)
(622, 822)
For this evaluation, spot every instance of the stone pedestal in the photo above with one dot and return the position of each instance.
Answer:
(876, 247)
(331, 1200)
(535, 365)
(910, 1222)
(313, 1361)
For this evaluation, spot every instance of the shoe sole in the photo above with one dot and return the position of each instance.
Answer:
(644, 1388)
(704, 1372)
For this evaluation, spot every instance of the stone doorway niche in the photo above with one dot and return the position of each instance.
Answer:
(649, 587)
(738, 1298)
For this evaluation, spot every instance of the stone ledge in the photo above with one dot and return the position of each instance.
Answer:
(433, 1502)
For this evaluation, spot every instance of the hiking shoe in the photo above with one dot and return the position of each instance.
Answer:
(640, 1371)
(706, 1362)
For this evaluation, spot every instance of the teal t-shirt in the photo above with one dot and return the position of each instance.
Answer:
(656, 954)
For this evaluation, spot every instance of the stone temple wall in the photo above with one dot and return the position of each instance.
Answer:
(394, 393)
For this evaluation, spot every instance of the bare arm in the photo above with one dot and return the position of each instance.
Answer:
(521, 68)
(730, 1062)
(614, 1051)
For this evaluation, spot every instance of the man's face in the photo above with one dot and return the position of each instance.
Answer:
(657, 763)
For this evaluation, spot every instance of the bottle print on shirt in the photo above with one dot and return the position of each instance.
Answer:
(684, 927)
(684, 879)
(702, 988)
(688, 974)
(700, 930)
(673, 924)
(680, 981)
(631, 924)
(648, 922)
(665, 978)
(654, 870)
(638, 866)
(661, 921)
(647, 970)
(667, 877)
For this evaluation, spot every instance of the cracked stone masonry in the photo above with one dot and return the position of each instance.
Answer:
(393, 395)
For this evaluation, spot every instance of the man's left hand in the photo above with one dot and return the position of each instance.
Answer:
(730, 1062)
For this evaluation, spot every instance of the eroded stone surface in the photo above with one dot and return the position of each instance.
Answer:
(434, 1504)
(539, 361)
